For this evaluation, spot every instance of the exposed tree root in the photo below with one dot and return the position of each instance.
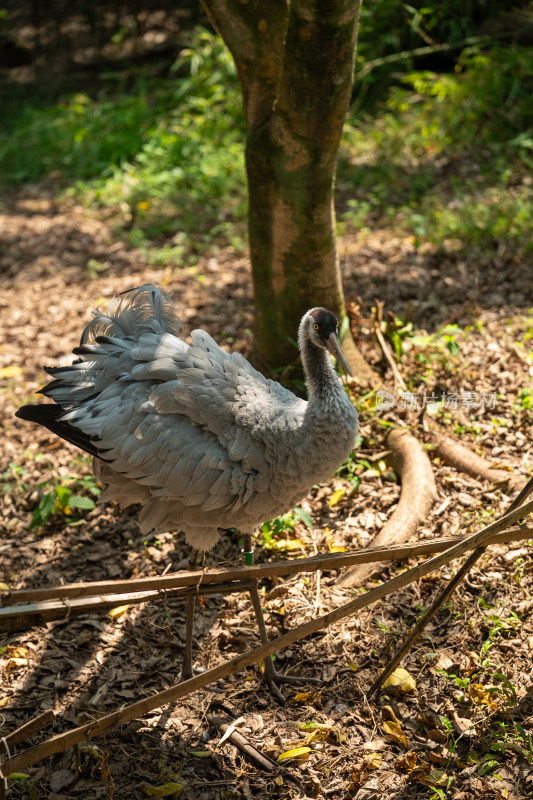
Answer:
(410, 461)
(463, 459)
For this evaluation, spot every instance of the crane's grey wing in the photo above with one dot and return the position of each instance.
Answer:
(221, 393)
(217, 411)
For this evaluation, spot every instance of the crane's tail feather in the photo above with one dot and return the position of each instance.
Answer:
(144, 309)
(48, 415)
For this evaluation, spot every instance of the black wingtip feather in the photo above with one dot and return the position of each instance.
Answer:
(47, 415)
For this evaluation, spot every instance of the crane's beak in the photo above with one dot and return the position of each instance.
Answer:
(334, 348)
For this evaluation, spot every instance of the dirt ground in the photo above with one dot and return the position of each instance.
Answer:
(464, 732)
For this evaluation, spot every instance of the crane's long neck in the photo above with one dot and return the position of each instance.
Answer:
(323, 384)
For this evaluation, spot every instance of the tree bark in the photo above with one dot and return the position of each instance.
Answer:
(295, 63)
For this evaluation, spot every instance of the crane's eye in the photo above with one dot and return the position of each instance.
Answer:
(316, 326)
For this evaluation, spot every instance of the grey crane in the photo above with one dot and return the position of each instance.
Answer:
(197, 436)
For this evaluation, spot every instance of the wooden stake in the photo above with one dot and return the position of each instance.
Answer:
(60, 743)
(31, 727)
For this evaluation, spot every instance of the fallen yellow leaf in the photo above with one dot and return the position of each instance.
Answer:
(373, 761)
(333, 548)
(335, 497)
(395, 732)
(435, 777)
(407, 762)
(17, 651)
(299, 753)
(201, 753)
(117, 612)
(10, 372)
(388, 713)
(401, 681)
(288, 544)
(316, 736)
(4, 587)
(479, 694)
(320, 731)
(303, 697)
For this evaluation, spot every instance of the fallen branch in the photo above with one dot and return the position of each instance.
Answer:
(463, 459)
(441, 599)
(166, 583)
(243, 744)
(419, 492)
(61, 742)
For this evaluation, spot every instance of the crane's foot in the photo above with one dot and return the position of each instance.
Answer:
(272, 678)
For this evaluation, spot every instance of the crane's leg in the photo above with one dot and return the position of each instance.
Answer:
(271, 675)
(186, 669)
(270, 672)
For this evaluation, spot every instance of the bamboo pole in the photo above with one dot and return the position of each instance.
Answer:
(31, 727)
(327, 561)
(62, 741)
(17, 617)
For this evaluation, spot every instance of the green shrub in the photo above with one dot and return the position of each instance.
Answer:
(448, 157)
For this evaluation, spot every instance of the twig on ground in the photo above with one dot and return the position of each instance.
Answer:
(387, 352)
(243, 744)
(248, 749)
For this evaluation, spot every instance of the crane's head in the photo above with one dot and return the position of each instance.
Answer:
(321, 327)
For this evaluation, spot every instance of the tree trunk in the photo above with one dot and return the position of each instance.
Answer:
(291, 163)
(295, 64)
